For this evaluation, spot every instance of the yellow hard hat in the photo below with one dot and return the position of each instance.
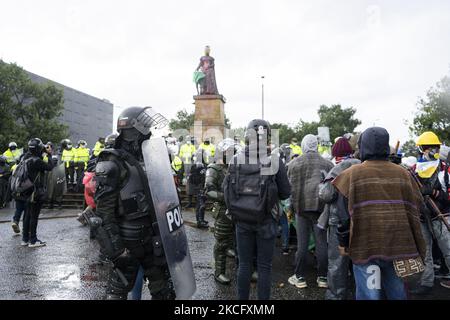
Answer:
(428, 139)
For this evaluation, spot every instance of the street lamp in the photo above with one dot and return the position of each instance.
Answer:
(262, 96)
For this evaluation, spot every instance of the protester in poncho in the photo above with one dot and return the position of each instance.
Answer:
(382, 203)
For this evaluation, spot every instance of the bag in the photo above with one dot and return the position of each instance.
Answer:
(20, 184)
(249, 196)
(408, 267)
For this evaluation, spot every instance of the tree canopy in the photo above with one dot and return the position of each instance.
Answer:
(433, 112)
(27, 109)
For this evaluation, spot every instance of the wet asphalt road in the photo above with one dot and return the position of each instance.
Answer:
(68, 268)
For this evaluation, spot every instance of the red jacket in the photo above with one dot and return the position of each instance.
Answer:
(89, 188)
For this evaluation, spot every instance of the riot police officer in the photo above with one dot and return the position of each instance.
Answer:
(129, 232)
(223, 226)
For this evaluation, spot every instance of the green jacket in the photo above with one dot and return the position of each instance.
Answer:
(215, 174)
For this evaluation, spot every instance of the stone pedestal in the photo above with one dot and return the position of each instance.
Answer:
(209, 119)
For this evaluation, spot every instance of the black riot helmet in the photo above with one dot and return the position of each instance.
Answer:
(141, 119)
(36, 147)
(135, 124)
(257, 130)
(110, 140)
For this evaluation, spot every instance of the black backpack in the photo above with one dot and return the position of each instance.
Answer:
(20, 183)
(249, 195)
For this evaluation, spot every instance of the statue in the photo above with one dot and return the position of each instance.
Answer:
(206, 78)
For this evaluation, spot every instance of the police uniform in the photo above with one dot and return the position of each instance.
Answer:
(223, 226)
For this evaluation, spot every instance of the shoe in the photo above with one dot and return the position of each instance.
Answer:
(422, 290)
(439, 275)
(254, 276)
(322, 282)
(299, 282)
(202, 224)
(36, 244)
(231, 253)
(222, 279)
(285, 251)
(446, 284)
(15, 227)
(24, 243)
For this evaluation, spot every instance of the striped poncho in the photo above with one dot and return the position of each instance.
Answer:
(384, 203)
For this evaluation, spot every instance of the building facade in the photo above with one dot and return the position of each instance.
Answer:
(87, 117)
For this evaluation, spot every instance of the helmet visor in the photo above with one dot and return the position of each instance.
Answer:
(148, 119)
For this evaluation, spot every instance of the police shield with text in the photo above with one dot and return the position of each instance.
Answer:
(129, 233)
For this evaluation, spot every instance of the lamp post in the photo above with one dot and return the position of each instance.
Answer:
(262, 96)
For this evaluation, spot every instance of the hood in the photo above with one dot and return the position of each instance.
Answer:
(374, 144)
(309, 143)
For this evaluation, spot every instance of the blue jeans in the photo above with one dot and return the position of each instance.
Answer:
(251, 238)
(136, 292)
(377, 280)
(20, 208)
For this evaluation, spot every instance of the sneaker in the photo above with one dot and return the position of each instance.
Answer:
(15, 227)
(36, 244)
(24, 243)
(322, 282)
(299, 282)
(231, 253)
(446, 284)
(202, 224)
(439, 275)
(222, 279)
(254, 276)
(285, 251)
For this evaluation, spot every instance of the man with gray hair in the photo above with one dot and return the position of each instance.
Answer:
(305, 174)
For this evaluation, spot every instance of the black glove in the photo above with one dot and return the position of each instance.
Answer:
(123, 260)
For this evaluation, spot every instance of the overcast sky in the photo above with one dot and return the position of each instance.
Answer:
(376, 56)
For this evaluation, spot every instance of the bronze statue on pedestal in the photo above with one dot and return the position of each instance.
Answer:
(206, 78)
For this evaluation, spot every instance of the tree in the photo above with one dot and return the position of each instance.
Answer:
(303, 128)
(185, 120)
(409, 148)
(285, 132)
(340, 121)
(28, 109)
(433, 112)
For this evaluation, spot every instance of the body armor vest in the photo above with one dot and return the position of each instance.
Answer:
(133, 203)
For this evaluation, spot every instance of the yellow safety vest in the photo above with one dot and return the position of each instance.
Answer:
(323, 149)
(12, 156)
(296, 149)
(186, 152)
(82, 155)
(177, 164)
(98, 148)
(210, 150)
(67, 156)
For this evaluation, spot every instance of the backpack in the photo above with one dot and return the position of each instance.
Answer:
(249, 195)
(21, 184)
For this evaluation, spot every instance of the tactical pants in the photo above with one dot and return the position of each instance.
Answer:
(152, 261)
(443, 240)
(70, 171)
(338, 267)
(3, 192)
(80, 175)
(223, 232)
(200, 206)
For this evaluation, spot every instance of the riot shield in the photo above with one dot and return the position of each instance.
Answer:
(168, 214)
(56, 183)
